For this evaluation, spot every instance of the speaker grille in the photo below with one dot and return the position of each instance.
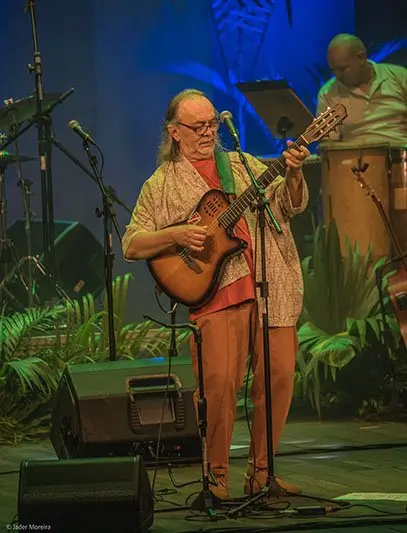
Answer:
(86, 495)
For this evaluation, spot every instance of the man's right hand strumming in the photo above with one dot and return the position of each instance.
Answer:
(191, 236)
(147, 244)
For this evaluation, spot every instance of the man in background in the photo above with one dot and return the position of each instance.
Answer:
(374, 94)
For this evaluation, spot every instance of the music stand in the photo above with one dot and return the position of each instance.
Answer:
(278, 105)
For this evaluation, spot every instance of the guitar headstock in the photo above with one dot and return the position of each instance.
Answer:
(324, 123)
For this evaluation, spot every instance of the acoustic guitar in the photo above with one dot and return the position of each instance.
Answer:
(192, 278)
(397, 282)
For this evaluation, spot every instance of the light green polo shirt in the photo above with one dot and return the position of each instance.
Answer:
(376, 117)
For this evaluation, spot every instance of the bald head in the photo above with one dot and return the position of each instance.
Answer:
(348, 41)
(348, 60)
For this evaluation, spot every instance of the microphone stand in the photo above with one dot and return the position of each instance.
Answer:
(173, 352)
(109, 220)
(11, 138)
(45, 150)
(206, 501)
(109, 190)
(271, 487)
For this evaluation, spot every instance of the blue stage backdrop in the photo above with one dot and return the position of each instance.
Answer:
(126, 59)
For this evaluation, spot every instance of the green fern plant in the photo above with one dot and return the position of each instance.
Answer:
(88, 330)
(340, 314)
(26, 380)
(28, 371)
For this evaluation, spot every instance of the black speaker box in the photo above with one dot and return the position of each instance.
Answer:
(79, 259)
(85, 496)
(116, 409)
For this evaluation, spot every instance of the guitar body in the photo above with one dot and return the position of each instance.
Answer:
(397, 289)
(192, 279)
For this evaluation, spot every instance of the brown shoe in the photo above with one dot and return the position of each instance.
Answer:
(220, 489)
(254, 484)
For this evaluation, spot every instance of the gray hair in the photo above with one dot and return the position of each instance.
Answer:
(169, 151)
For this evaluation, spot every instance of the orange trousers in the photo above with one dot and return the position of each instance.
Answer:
(227, 338)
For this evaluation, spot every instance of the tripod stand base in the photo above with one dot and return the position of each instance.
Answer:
(206, 502)
(270, 490)
(17, 275)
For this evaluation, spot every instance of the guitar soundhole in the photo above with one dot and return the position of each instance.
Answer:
(213, 206)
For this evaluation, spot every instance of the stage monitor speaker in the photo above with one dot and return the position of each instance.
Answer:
(79, 259)
(85, 496)
(116, 409)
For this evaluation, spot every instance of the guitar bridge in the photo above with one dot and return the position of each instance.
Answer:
(192, 264)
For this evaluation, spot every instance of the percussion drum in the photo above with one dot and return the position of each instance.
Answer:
(343, 199)
(398, 194)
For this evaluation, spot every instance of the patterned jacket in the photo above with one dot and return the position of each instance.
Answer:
(171, 194)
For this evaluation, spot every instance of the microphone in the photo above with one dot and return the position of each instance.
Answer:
(77, 128)
(227, 118)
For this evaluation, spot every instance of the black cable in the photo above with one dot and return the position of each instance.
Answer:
(165, 492)
(308, 525)
(372, 507)
(188, 498)
(176, 507)
(157, 453)
(180, 485)
(102, 159)
(267, 508)
(250, 359)
(339, 449)
(247, 414)
(159, 498)
(9, 472)
(195, 517)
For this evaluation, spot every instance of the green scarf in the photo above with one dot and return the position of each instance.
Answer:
(225, 172)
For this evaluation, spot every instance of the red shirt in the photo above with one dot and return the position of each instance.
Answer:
(242, 289)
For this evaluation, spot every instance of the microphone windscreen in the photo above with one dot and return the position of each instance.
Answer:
(224, 115)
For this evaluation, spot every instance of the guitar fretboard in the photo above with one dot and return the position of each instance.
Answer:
(232, 214)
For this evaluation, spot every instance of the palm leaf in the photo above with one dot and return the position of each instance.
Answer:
(15, 329)
(33, 373)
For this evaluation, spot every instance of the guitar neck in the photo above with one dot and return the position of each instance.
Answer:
(246, 199)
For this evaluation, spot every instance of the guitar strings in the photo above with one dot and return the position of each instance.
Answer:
(230, 214)
(248, 196)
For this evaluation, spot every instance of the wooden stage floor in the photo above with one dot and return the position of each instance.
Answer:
(362, 463)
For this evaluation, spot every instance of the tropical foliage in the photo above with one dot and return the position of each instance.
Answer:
(76, 332)
(340, 316)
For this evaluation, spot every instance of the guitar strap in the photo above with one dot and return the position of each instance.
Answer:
(225, 172)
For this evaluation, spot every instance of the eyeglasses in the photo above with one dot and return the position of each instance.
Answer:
(213, 125)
